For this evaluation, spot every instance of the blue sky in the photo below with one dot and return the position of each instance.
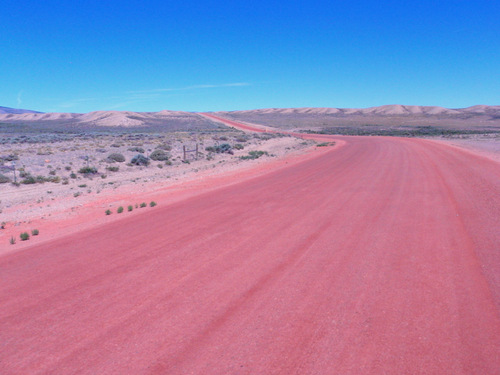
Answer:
(81, 56)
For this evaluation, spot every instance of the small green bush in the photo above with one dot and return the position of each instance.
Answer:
(12, 240)
(115, 157)
(73, 175)
(28, 180)
(325, 144)
(107, 212)
(130, 208)
(119, 210)
(224, 148)
(159, 155)
(137, 149)
(143, 204)
(113, 169)
(4, 179)
(24, 236)
(253, 155)
(164, 147)
(238, 146)
(152, 204)
(35, 232)
(87, 170)
(139, 160)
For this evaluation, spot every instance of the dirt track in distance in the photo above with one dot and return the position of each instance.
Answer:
(377, 257)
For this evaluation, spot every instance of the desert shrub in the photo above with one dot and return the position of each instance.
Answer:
(115, 157)
(24, 236)
(54, 179)
(68, 168)
(28, 180)
(136, 149)
(10, 157)
(130, 208)
(52, 172)
(143, 204)
(88, 170)
(113, 169)
(107, 212)
(253, 155)
(220, 149)
(35, 232)
(152, 204)
(238, 146)
(65, 181)
(73, 175)
(12, 240)
(119, 210)
(164, 147)
(159, 155)
(4, 179)
(77, 194)
(139, 160)
(241, 139)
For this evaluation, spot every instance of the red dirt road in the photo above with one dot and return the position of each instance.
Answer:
(379, 257)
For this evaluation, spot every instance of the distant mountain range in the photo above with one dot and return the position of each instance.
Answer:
(281, 117)
(385, 110)
(16, 111)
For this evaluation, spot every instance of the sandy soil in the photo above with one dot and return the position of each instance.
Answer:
(487, 145)
(83, 200)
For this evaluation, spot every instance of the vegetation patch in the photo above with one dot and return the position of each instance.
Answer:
(115, 157)
(4, 179)
(224, 148)
(88, 170)
(254, 155)
(159, 155)
(139, 160)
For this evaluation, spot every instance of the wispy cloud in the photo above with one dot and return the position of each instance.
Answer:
(132, 97)
(19, 98)
(193, 87)
(123, 99)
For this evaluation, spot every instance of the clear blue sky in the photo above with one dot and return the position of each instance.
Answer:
(81, 56)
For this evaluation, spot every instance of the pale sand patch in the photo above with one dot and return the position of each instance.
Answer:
(487, 145)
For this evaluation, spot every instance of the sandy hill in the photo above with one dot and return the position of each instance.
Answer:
(148, 121)
(375, 120)
(386, 115)
(385, 110)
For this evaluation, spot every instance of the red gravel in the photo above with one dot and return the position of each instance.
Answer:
(378, 257)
